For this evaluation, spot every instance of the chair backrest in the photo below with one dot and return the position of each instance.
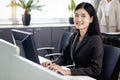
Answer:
(64, 40)
(111, 63)
(111, 39)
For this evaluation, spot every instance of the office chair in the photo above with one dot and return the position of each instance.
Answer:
(62, 42)
(111, 63)
(111, 39)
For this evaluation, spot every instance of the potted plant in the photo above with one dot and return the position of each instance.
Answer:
(71, 8)
(27, 5)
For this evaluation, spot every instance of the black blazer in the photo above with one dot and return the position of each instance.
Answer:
(87, 56)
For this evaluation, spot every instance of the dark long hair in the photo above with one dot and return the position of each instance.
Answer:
(93, 28)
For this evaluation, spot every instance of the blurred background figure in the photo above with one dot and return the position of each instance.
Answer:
(95, 3)
(109, 15)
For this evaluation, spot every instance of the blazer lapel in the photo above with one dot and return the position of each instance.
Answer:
(73, 46)
(74, 43)
(85, 39)
(73, 49)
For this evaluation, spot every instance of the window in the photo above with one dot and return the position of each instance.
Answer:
(54, 11)
(5, 12)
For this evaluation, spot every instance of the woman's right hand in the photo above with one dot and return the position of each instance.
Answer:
(46, 64)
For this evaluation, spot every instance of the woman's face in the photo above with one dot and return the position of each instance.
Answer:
(82, 19)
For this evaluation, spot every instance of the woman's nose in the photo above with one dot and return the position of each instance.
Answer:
(79, 18)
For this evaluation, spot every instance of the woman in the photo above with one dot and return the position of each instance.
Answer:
(109, 16)
(85, 48)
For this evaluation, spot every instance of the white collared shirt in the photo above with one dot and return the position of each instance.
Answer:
(107, 8)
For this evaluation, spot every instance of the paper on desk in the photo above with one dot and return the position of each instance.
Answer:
(79, 78)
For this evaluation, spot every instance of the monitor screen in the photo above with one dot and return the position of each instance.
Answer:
(25, 41)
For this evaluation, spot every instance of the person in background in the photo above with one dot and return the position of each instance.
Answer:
(85, 47)
(109, 16)
(95, 3)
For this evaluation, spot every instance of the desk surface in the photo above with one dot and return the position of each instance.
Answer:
(79, 78)
(42, 59)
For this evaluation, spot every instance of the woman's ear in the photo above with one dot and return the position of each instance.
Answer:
(91, 19)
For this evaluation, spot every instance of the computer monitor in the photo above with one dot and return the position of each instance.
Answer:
(25, 41)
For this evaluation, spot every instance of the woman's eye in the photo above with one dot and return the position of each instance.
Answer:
(83, 16)
(76, 15)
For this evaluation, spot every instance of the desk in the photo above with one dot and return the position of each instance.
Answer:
(42, 59)
(15, 67)
(79, 78)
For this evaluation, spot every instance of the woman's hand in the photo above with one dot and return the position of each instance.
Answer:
(46, 64)
(56, 68)
(59, 69)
